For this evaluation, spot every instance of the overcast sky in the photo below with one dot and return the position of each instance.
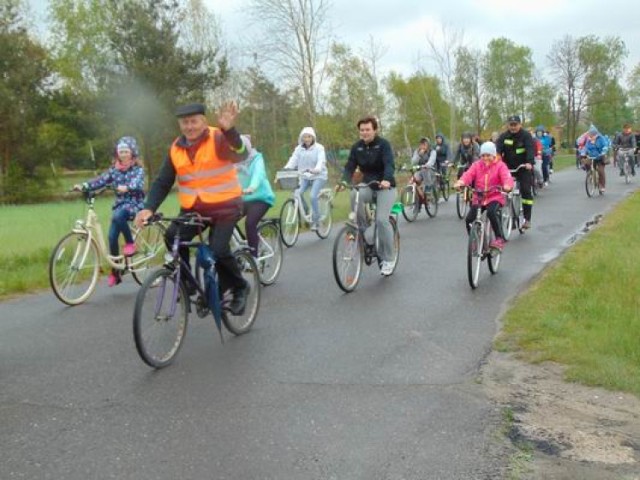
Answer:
(403, 25)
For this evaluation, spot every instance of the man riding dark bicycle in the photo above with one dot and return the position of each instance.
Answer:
(202, 161)
(373, 156)
(515, 146)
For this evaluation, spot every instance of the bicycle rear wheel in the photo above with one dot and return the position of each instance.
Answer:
(431, 201)
(269, 252)
(474, 254)
(410, 203)
(239, 324)
(289, 223)
(347, 258)
(160, 318)
(74, 267)
(150, 249)
(326, 221)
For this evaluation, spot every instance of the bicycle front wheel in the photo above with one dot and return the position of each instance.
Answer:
(347, 258)
(507, 219)
(239, 324)
(410, 203)
(590, 183)
(396, 243)
(325, 223)
(74, 267)
(160, 318)
(474, 254)
(461, 204)
(445, 188)
(493, 258)
(627, 171)
(269, 252)
(431, 201)
(289, 223)
(150, 249)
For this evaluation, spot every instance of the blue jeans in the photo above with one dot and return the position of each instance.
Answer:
(119, 225)
(315, 185)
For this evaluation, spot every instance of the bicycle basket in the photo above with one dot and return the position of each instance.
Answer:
(287, 179)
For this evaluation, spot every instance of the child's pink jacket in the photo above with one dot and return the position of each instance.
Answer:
(487, 178)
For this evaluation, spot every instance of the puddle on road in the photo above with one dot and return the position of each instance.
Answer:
(552, 254)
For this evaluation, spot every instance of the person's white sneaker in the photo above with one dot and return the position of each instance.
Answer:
(386, 268)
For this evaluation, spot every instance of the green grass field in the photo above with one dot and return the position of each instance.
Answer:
(584, 312)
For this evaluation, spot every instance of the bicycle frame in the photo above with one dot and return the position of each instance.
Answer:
(92, 228)
(238, 241)
(300, 212)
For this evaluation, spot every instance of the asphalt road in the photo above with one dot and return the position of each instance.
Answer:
(378, 384)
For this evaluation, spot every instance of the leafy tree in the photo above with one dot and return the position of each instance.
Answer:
(468, 87)
(24, 81)
(297, 39)
(420, 108)
(540, 104)
(507, 74)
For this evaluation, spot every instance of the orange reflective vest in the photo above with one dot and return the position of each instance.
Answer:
(208, 177)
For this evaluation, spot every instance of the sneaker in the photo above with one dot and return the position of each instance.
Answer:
(239, 301)
(551, 170)
(314, 227)
(601, 191)
(113, 279)
(497, 244)
(386, 268)
(545, 184)
(129, 249)
(526, 225)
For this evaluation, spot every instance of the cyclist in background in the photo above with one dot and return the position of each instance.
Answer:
(257, 194)
(516, 148)
(424, 156)
(309, 158)
(596, 147)
(442, 153)
(626, 140)
(546, 152)
(467, 153)
(126, 175)
(373, 156)
(202, 160)
(490, 175)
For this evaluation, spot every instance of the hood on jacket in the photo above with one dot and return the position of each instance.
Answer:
(307, 131)
(540, 128)
(593, 130)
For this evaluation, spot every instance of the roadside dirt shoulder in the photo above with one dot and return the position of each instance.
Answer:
(572, 431)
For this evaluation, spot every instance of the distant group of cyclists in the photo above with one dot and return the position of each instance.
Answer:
(222, 177)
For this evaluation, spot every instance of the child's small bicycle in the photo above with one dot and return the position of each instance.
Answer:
(76, 261)
(480, 237)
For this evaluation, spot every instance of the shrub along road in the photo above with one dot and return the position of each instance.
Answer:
(380, 383)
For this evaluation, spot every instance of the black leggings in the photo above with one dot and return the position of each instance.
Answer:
(493, 212)
(253, 211)
(525, 178)
(220, 232)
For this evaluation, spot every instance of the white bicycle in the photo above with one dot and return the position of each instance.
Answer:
(294, 213)
(76, 261)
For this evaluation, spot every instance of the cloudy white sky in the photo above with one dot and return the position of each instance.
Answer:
(403, 25)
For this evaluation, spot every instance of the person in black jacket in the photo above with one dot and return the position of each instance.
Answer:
(516, 148)
(373, 156)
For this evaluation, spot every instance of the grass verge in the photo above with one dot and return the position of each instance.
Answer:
(584, 311)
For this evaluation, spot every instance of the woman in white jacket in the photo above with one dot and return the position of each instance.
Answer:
(310, 160)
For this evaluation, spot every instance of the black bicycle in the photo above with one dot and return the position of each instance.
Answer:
(167, 295)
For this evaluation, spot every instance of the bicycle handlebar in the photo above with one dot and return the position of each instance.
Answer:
(515, 170)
